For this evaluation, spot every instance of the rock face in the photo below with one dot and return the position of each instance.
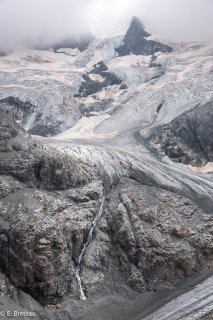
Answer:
(90, 86)
(159, 235)
(118, 115)
(189, 138)
(38, 122)
(41, 232)
(135, 41)
(15, 300)
(48, 202)
(26, 161)
(9, 130)
(17, 109)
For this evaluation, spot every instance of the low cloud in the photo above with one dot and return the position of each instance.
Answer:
(40, 22)
(44, 22)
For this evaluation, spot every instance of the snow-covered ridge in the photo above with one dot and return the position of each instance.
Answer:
(180, 79)
(116, 112)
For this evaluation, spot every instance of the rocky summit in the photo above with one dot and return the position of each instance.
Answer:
(106, 185)
(136, 42)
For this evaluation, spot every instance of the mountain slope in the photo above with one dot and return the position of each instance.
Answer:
(105, 203)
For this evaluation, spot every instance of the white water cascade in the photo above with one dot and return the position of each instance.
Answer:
(89, 238)
(30, 121)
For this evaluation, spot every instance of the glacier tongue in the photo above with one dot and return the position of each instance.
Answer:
(133, 118)
(187, 305)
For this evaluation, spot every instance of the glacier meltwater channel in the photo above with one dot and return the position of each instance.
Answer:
(89, 238)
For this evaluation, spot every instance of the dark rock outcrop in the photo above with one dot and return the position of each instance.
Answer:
(208, 316)
(16, 301)
(90, 86)
(135, 41)
(48, 122)
(88, 109)
(17, 109)
(9, 130)
(41, 232)
(55, 120)
(99, 68)
(27, 161)
(159, 235)
(189, 137)
(48, 202)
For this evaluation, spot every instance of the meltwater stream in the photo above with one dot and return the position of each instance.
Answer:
(89, 238)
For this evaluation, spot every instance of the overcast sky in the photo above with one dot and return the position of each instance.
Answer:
(48, 21)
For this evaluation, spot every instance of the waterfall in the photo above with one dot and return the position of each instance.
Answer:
(77, 273)
(29, 124)
(89, 238)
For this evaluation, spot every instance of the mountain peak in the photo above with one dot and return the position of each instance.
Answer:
(135, 41)
(137, 28)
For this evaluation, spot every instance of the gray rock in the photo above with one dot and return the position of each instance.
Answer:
(189, 137)
(19, 110)
(89, 86)
(159, 236)
(135, 41)
(155, 227)
(41, 232)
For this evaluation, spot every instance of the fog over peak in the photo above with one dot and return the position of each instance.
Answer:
(43, 22)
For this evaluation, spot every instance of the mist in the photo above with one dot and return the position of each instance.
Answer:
(45, 22)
